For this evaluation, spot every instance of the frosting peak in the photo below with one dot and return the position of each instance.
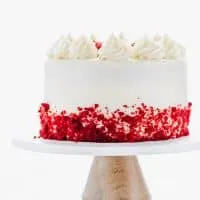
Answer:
(83, 48)
(157, 48)
(60, 49)
(116, 47)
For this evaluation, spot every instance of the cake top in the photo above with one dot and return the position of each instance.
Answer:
(116, 47)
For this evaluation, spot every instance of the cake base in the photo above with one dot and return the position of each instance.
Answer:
(116, 178)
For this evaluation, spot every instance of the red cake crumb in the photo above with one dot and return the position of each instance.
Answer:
(92, 124)
(98, 45)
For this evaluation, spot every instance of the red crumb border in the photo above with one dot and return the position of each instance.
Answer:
(92, 124)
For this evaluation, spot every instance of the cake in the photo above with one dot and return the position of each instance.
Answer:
(116, 90)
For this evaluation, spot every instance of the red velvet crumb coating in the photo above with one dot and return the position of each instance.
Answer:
(91, 124)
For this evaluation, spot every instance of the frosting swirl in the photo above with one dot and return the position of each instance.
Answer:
(60, 49)
(157, 48)
(116, 47)
(82, 48)
(154, 48)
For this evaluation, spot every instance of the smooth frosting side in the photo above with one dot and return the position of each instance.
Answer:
(69, 84)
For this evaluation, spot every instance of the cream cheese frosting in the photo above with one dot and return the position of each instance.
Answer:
(157, 48)
(82, 48)
(60, 49)
(116, 47)
(93, 37)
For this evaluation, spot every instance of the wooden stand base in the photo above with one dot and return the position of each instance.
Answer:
(116, 178)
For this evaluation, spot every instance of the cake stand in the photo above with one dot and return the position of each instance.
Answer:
(115, 173)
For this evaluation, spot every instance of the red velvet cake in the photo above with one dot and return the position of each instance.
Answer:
(115, 91)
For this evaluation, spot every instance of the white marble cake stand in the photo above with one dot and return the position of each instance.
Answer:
(115, 173)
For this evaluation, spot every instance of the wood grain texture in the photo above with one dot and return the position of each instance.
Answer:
(116, 178)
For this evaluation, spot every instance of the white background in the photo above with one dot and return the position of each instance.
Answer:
(27, 29)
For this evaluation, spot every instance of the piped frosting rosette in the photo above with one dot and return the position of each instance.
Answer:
(60, 49)
(83, 48)
(116, 47)
(69, 48)
(157, 48)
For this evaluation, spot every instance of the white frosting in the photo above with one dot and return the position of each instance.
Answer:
(121, 36)
(82, 48)
(60, 49)
(93, 37)
(69, 84)
(116, 47)
(157, 48)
